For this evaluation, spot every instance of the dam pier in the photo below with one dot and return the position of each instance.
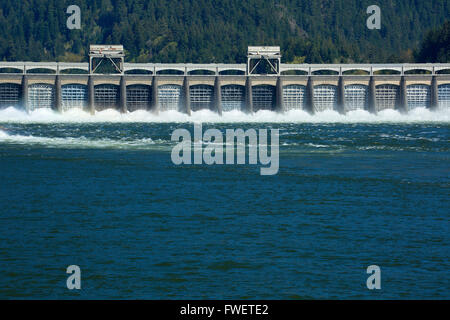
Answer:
(264, 83)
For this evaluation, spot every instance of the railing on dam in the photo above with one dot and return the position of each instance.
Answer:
(225, 87)
(219, 69)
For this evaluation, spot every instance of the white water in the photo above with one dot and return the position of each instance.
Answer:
(77, 142)
(419, 115)
(45, 116)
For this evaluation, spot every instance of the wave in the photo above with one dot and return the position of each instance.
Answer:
(78, 142)
(418, 115)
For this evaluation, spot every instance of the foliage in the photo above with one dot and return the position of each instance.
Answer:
(220, 31)
(436, 46)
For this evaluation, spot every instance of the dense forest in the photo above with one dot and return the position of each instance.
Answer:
(313, 31)
(436, 46)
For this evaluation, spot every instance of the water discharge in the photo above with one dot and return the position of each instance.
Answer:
(418, 115)
(76, 142)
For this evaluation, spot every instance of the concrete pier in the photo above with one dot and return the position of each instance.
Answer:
(249, 95)
(91, 95)
(24, 93)
(341, 95)
(123, 95)
(58, 94)
(434, 93)
(187, 95)
(217, 103)
(310, 95)
(279, 106)
(372, 96)
(403, 103)
(155, 99)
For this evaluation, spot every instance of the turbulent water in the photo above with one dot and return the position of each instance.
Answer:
(101, 192)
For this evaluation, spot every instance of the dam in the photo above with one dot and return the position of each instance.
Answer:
(264, 83)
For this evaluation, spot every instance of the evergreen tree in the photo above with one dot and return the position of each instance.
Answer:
(197, 31)
(436, 46)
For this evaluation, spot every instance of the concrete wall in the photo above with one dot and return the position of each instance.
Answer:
(223, 80)
(11, 78)
(72, 79)
(443, 79)
(47, 79)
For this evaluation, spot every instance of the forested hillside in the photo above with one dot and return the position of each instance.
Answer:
(219, 30)
(436, 45)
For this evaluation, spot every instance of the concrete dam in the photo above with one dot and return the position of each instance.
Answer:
(264, 83)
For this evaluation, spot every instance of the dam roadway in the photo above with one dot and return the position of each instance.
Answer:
(225, 87)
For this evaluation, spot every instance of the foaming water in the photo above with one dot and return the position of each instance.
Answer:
(419, 115)
(76, 142)
(299, 138)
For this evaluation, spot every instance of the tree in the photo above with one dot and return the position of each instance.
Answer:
(436, 46)
(220, 31)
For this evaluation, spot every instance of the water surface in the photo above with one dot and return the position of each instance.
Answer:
(105, 195)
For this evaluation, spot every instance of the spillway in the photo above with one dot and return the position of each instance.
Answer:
(169, 97)
(356, 97)
(190, 90)
(444, 96)
(233, 97)
(294, 97)
(9, 95)
(263, 97)
(418, 96)
(106, 96)
(139, 97)
(74, 96)
(325, 97)
(201, 97)
(387, 97)
(41, 96)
